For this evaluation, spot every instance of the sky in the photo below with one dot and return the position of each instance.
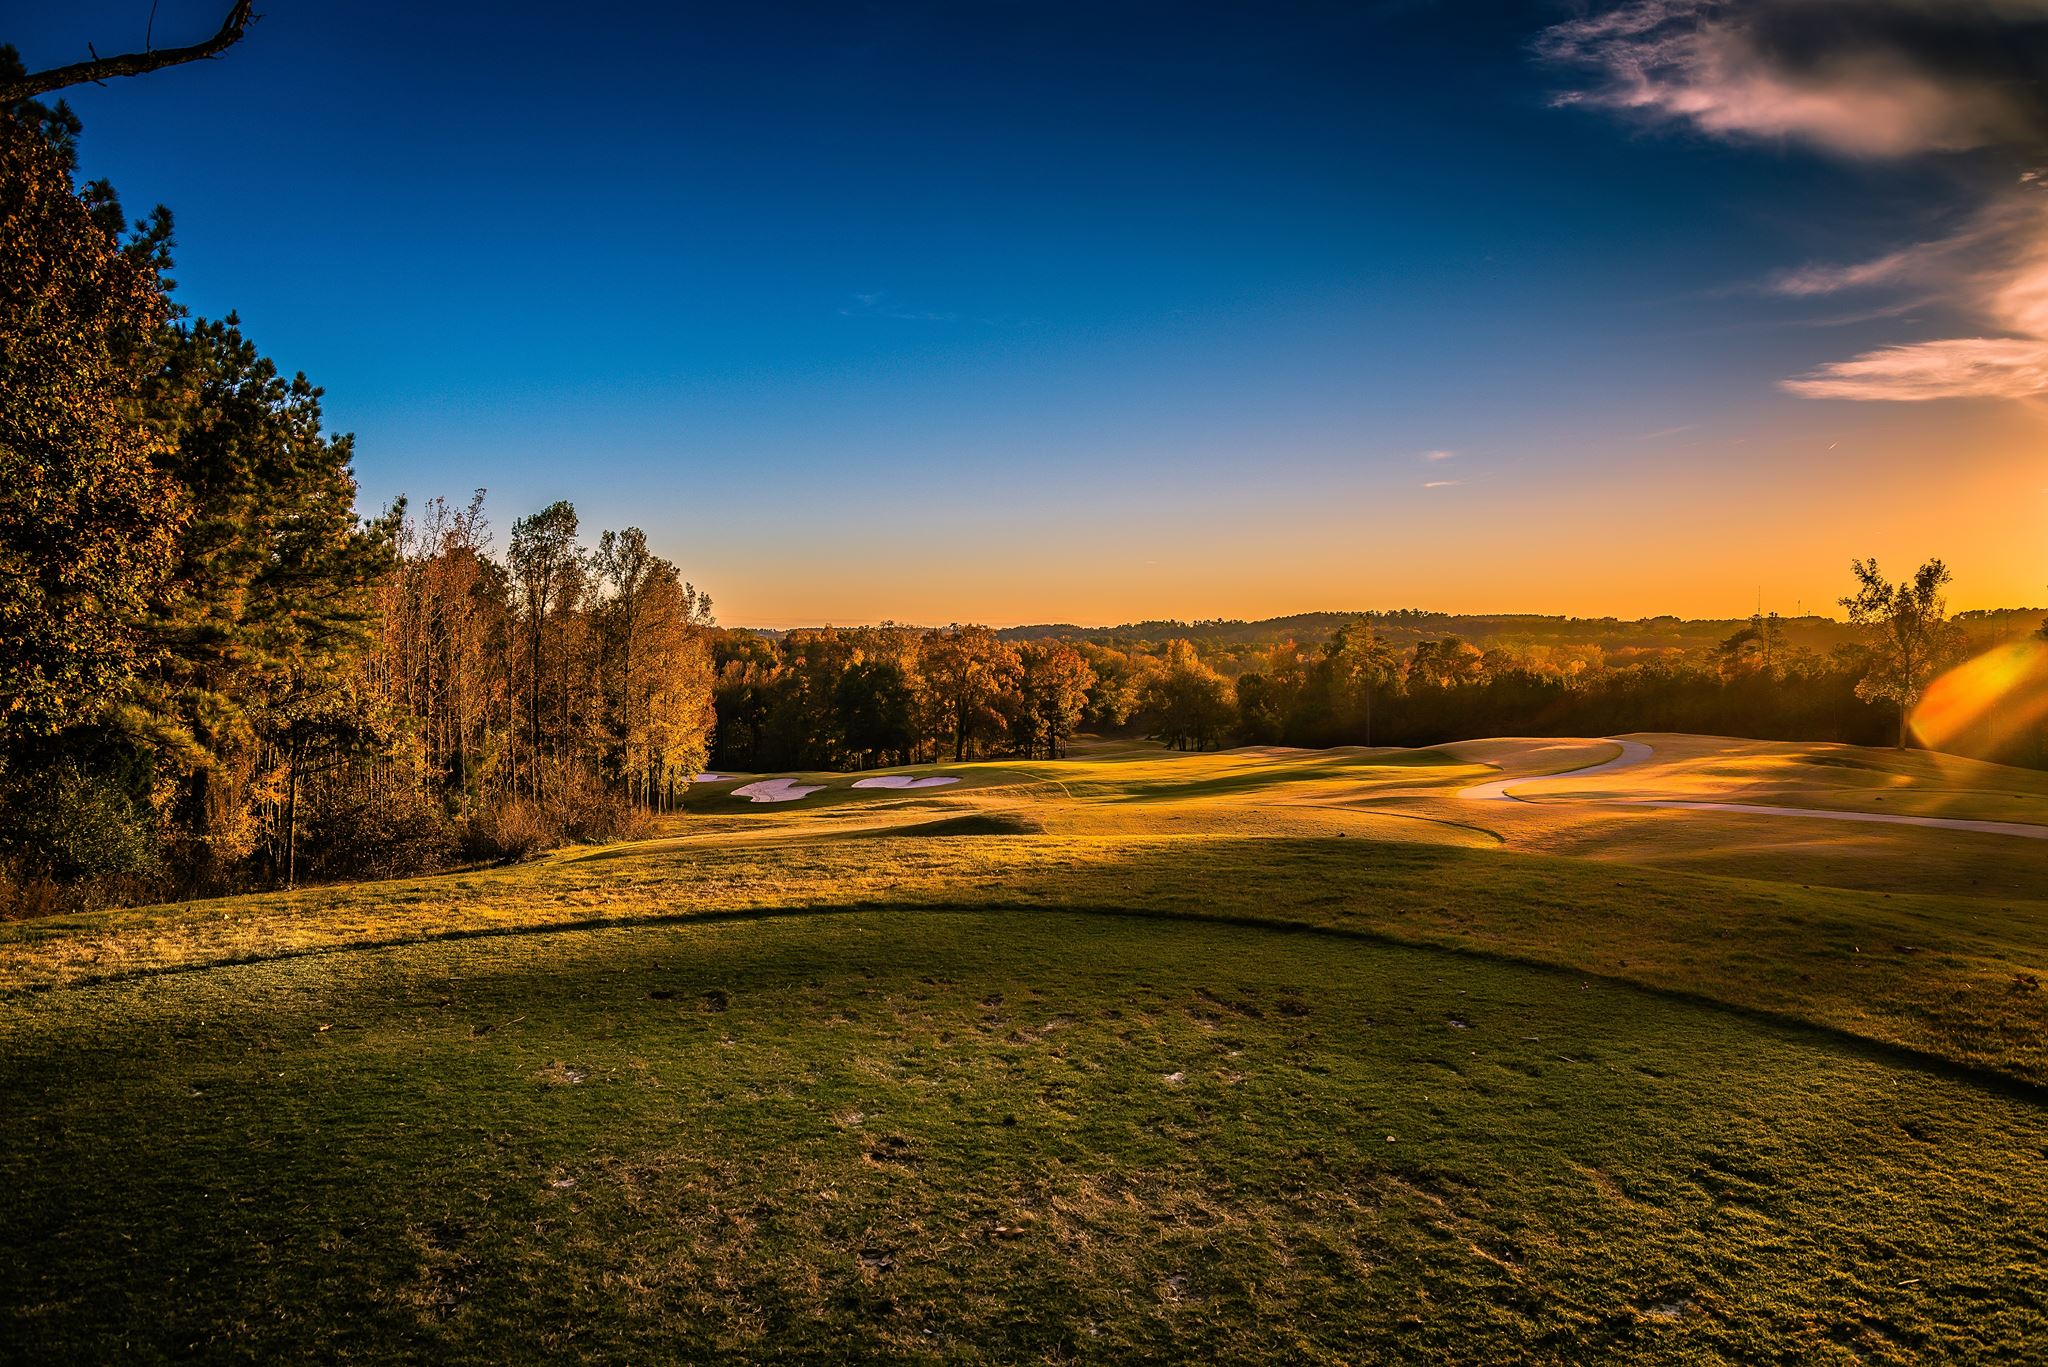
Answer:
(983, 310)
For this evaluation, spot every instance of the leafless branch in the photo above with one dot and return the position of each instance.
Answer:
(128, 63)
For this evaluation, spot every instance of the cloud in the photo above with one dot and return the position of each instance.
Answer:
(1961, 368)
(1443, 483)
(1811, 280)
(1868, 80)
(876, 304)
(1997, 272)
(1439, 455)
(1862, 78)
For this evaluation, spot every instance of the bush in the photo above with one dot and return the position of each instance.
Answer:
(74, 839)
(506, 832)
(377, 835)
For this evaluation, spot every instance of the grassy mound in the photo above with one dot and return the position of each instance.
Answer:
(978, 823)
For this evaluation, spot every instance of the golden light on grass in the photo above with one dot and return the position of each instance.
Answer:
(1988, 705)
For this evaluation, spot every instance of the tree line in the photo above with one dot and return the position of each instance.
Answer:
(850, 698)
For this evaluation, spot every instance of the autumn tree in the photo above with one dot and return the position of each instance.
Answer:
(445, 621)
(666, 698)
(1054, 683)
(648, 618)
(546, 567)
(89, 519)
(1909, 634)
(966, 672)
(1187, 704)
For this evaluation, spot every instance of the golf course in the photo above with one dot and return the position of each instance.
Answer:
(1506, 1050)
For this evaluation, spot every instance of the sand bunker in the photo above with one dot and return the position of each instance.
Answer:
(777, 790)
(902, 781)
(714, 778)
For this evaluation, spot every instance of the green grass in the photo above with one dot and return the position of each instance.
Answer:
(1098, 1061)
(969, 1137)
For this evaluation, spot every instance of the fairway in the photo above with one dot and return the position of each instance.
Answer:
(1262, 1055)
(946, 1136)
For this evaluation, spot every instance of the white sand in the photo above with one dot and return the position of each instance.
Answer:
(1633, 752)
(777, 790)
(714, 778)
(902, 781)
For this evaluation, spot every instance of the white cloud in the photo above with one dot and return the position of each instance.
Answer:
(1872, 80)
(1861, 78)
(1958, 368)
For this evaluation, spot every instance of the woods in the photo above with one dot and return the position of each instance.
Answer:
(215, 674)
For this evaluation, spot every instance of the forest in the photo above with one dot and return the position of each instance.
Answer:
(218, 675)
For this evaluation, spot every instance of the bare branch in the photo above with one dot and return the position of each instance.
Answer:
(128, 63)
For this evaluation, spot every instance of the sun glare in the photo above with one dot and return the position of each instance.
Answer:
(1988, 706)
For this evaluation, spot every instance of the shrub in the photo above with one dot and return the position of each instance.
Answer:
(377, 835)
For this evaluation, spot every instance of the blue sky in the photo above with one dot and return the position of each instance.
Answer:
(1093, 312)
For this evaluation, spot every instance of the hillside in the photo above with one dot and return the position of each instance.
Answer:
(1408, 625)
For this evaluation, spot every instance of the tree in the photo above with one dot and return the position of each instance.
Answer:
(1756, 649)
(1357, 665)
(877, 710)
(545, 563)
(966, 672)
(1910, 636)
(1187, 704)
(89, 520)
(1119, 680)
(1055, 683)
(1446, 663)
(668, 716)
(445, 617)
(275, 588)
(624, 568)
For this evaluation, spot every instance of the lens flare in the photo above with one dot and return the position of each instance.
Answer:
(1990, 707)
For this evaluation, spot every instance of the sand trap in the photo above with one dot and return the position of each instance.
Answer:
(1633, 752)
(777, 790)
(714, 778)
(902, 781)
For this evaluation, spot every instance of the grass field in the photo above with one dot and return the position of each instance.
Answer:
(1267, 1055)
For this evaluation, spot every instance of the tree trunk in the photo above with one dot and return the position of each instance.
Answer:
(291, 816)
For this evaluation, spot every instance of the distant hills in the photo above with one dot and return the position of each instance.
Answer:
(1507, 629)
(1405, 626)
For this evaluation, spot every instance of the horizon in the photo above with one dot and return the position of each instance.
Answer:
(917, 314)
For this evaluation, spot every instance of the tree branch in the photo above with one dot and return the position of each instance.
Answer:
(129, 63)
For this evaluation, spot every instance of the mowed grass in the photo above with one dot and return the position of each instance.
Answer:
(1268, 1055)
(957, 1136)
(1838, 777)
